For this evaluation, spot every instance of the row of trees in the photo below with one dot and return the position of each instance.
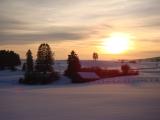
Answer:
(42, 72)
(45, 60)
(9, 59)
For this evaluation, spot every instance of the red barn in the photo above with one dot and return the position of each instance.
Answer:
(86, 77)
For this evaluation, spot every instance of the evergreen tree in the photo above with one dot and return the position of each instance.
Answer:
(24, 67)
(45, 59)
(43, 73)
(29, 61)
(73, 64)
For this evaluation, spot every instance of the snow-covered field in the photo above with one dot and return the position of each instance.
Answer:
(120, 98)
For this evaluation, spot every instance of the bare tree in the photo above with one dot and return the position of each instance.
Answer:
(95, 58)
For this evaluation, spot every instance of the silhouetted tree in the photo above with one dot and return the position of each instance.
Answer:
(45, 59)
(24, 67)
(73, 64)
(29, 61)
(9, 59)
(95, 56)
(43, 72)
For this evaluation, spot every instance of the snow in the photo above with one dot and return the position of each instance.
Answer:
(9, 78)
(119, 98)
(76, 102)
(88, 75)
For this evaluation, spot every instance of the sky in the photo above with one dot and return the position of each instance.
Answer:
(80, 25)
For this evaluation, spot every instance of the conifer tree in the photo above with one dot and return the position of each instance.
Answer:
(29, 61)
(45, 58)
(73, 64)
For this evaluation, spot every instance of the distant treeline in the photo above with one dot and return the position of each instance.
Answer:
(154, 59)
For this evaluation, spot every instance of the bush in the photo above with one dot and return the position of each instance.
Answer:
(39, 78)
(125, 69)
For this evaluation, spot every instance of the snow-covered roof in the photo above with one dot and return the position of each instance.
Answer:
(88, 75)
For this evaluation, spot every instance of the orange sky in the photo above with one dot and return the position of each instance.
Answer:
(80, 25)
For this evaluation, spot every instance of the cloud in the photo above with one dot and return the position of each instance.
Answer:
(23, 21)
(36, 37)
(148, 53)
(156, 41)
(151, 24)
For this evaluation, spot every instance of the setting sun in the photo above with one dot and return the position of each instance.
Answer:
(117, 43)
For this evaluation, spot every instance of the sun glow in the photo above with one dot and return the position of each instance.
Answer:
(117, 43)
